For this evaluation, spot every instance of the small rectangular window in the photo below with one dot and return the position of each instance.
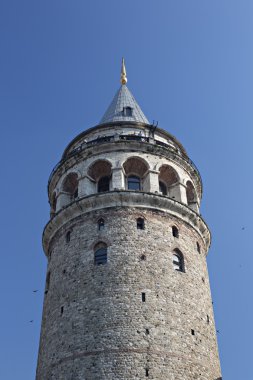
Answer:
(62, 308)
(147, 372)
(192, 332)
(143, 297)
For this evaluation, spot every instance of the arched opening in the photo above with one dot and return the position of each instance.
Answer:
(101, 224)
(100, 254)
(178, 260)
(191, 196)
(70, 186)
(169, 182)
(136, 170)
(101, 171)
(175, 232)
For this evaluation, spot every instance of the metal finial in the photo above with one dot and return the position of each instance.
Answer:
(123, 77)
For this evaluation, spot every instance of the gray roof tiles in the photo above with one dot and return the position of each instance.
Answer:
(121, 100)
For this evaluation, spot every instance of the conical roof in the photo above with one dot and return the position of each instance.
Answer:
(124, 108)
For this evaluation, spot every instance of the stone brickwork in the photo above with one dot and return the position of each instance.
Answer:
(104, 330)
(135, 316)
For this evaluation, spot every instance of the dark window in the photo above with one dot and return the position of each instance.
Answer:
(133, 183)
(163, 188)
(127, 111)
(192, 332)
(62, 308)
(101, 224)
(75, 193)
(100, 254)
(147, 372)
(147, 331)
(143, 257)
(198, 248)
(175, 232)
(47, 282)
(207, 319)
(178, 261)
(140, 224)
(104, 184)
(68, 234)
(143, 297)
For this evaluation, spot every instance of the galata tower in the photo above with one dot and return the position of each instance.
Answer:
(127, 293)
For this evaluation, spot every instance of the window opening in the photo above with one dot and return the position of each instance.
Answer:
(68, 234)
(100, 254)
(143, 297)
(207, 319)
(198, 247)
(134, 183)
(147, 331)
(101, 224)
(140, 224)
(62, 308)
(175, 232)
(147, 372)
(104, 184)
(178, 261)
(47, 282)
(163, 188)
(127, 111)
(143, 257)
(192, 332)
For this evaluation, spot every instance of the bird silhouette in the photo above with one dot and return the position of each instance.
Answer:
(31, 321)
(35, 291)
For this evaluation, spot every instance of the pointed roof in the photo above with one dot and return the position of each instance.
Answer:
(124, 107)
(117, 111)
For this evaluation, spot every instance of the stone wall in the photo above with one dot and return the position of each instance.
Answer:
(95, 323)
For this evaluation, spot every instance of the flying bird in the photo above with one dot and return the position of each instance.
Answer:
(34, 291)
(31, 321)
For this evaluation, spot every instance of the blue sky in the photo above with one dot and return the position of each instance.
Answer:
(190, 66)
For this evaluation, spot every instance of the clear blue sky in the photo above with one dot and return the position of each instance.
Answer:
(190, 66)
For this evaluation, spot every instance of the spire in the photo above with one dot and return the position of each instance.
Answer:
(123, 77)
(124, 106)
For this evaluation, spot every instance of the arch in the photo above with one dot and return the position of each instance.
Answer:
(175, 231)
(101, 172)
(100, 253)
(101, 224)
(190, 193)
(169, 181)
(70, 185)
(136, 170)
(178, 260)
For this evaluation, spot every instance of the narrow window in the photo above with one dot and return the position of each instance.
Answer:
(207, 319)
(101, 224)
(62, 308)
(47, 282)
(143, 257)
(192, 332)
(178, 261)
(147, 371)
(198, 247)
(140, 224)
(104, 184)
(175, 232)
(134, 183)
(147, 331)
(163, 188)
(143, 297)
(68, 234)
(100, 254)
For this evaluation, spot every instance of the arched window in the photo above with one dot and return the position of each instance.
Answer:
(175, 232)
(140, 224)
(163, 188)
(100, 254)
(133, 183)
(104, 184)
(178, 261)
(127, 111)
(100, 172)
(101, 224)
(70, 185)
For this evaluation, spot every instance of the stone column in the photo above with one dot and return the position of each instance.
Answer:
(87, 186)
(118, 179)
(151, 182)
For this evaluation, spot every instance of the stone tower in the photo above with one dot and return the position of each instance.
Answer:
(127, 292)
